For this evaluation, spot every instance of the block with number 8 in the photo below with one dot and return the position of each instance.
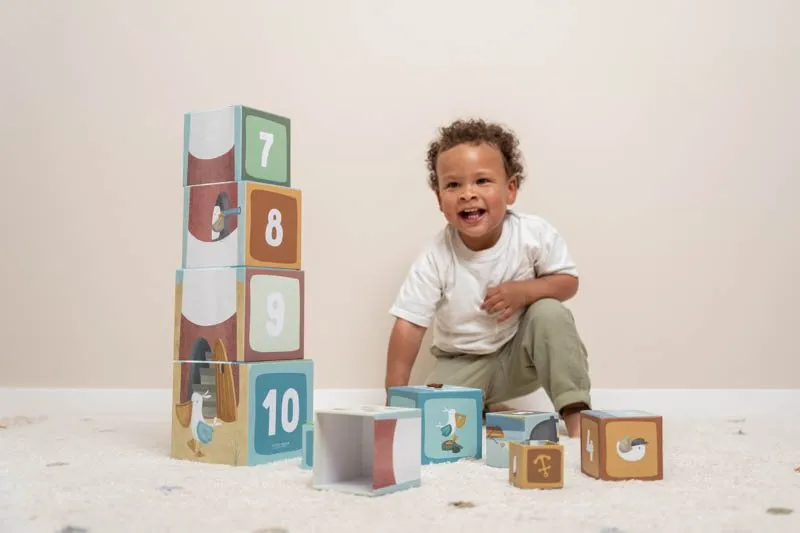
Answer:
(240, 414)
(256, 314)
(236, 143)
(242, 224)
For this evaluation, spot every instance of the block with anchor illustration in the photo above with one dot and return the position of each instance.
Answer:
(242, 224)
(536, 464)
(621, 445)
(506, 426)
(236, 143)
(240, 413)
(452, 426)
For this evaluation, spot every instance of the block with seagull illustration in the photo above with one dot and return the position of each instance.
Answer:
(367, 450)
(506, 426)
(240, 413)
(452, 418)
(236, 143)
(620, 445)
(536, 464)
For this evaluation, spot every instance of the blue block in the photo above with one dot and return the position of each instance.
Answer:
(307, 460)
(516, 426)
(451, 420)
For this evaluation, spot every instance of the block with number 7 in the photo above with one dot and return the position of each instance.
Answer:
(253, 314)
(240, 414)
(242, 224)
(236, 143)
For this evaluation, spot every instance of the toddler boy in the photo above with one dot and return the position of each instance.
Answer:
(491, 284)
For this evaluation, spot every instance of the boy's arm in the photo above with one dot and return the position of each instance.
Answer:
(404, 343)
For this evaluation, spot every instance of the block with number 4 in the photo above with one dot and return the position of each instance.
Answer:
(240, 414)
(236, 143)
(252, 314)
(242, 224)
(620, 445)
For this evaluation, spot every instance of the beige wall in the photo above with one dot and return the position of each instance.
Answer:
(661, 139)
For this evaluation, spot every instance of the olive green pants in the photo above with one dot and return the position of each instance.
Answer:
(546, 352)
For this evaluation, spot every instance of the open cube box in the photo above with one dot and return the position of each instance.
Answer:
(369, 450)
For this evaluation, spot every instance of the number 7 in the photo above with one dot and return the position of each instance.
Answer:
(269, 140)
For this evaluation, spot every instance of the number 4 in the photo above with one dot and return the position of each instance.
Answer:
(268, 139)
(288, 425)
(589, 446)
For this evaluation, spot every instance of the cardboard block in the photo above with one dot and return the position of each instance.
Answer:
(240, 414)
(620, 445)
(242, 224)
(236, 143)
(367, 450)
(506, 426)
(307, 460)
(242, 314)
(536, 464)
(452, 419)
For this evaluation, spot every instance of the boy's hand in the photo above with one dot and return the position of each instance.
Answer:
(505, 298)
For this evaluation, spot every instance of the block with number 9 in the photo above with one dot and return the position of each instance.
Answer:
(242, 224)
(236, 143)
(240, 414)
(257, 314)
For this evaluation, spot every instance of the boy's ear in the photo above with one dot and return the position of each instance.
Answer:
(513, 187)
(438, 199)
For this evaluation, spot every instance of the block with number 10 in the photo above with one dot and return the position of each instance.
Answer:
(240, 413)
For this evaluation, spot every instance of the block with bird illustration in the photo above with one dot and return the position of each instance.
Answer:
(452, 417)
(240, 413)
(618, 445)
(236, 143)
(242, 224)
(254, 314)
(369, 450)
(506, 426)
(536, 464)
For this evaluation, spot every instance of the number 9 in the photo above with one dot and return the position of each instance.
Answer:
(276, 310)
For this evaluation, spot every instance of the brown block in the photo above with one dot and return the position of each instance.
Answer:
(536, 464)
(621, 445)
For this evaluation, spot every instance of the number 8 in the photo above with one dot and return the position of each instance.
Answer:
(274, 232)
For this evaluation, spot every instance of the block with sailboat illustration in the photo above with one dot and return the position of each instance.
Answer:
(242, 224)
(505, 427)
(236, 143)
(240, 413)
(254, 314)
(452, 419)
(619, 445)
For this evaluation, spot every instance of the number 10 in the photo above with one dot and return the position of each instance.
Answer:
(288, 425)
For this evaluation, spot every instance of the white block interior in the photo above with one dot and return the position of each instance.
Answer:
(343, 448)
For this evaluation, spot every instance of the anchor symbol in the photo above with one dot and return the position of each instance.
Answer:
(544, 464)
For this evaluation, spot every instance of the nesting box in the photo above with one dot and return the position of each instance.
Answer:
(236, 143)
(506, 426)
(536, 464)
(367, 450)
(452, 419)
(252, 314)
(307, 459)
(620, 445)
(242, 224)
(240, 413)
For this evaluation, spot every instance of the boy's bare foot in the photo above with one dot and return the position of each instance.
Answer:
(572, 419)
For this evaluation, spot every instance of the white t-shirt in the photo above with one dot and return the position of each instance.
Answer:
(447, 282)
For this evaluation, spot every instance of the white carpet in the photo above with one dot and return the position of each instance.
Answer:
(111, 474)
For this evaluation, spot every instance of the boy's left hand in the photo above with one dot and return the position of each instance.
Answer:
(505, 298)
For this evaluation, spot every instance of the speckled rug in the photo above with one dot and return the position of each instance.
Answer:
(113, 475)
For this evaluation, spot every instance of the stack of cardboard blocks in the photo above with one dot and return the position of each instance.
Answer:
(242, 387)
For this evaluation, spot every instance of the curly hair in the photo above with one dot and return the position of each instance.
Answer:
(476, 131)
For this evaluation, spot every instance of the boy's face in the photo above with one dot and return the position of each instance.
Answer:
(474, 192)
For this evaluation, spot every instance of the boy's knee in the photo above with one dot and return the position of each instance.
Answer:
(548, 312)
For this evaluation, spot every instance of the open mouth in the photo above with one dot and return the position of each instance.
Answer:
(472, 215)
